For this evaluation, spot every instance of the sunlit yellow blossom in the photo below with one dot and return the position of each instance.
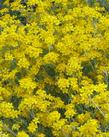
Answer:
(53, 117)
(22, 134)
(7, 110)
(89, 128)
(63, 84)
(23, 62)
(27, 83)
(51, 57)
(33, 125)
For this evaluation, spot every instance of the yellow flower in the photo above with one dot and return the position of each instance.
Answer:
(63, 84)
(33, 51)
(53, 117)
(22, 134)
(51, 57)
(7, 110)
(74, 65)
(74, 83)
(23, 63)
(27, 83)
(41, 135)
(81, 118)
(33, 125)
(8, 56)
(59, 124)
(90, 128)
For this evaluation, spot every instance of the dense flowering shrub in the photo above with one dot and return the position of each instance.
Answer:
(54, 68)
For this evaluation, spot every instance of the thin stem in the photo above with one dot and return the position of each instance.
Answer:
(9, 130)
(97, 107)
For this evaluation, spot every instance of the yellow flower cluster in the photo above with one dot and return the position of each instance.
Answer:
(33, 125)
(7, 110)
(54, 68)
(22, 134)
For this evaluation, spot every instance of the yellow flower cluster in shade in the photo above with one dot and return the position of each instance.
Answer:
(54, 68)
